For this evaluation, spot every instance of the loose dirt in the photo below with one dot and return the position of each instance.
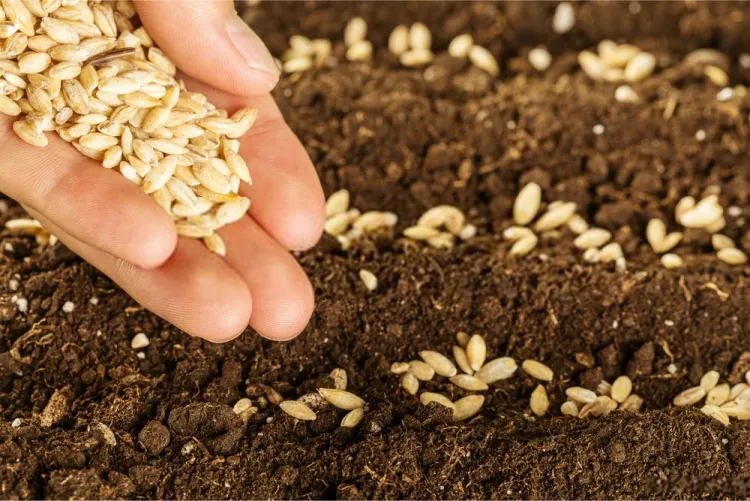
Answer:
(406, 140)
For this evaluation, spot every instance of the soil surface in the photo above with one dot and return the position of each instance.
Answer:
(82, 416)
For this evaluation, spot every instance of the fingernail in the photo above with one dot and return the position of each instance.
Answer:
(252, 48)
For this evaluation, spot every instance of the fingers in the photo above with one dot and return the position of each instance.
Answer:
(282, 295)
(207, 40)
(93, 204)
(287, 199)
(194, 290)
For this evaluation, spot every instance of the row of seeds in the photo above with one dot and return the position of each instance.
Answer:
(83, 70)
(721, 401)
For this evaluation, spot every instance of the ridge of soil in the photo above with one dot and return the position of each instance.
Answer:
(406, 140)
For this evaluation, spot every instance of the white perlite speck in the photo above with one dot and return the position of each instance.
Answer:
(68, 307)
(139, 341)
(16, 423)
(94, 300)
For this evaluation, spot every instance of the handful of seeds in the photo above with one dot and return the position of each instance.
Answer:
(86, 71)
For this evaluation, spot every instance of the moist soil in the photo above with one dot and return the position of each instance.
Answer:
(405, 140)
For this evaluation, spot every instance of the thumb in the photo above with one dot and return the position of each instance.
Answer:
(208, 41)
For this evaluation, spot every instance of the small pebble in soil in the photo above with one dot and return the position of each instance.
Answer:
(734, 211)
(671, 368)
(68, 307)
(94, 300)
(668, 323)
(598, 129)
(700, 135)
(139, 341)
(16, 423)
(13, 284)
(23, 305)
(141, 355)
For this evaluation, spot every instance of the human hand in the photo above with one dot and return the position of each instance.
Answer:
(108, 221)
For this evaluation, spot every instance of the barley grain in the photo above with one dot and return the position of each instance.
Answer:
(737, 389)
(625, 94)
(398, 40)
(368, 279)
(400, 367)
(592, 238)
(459, 354)
(359, 51)
(517, 233)
(539, 402)
(564, 18)
(537, 370)
(690, 396)
(476, 351)
(26, 131)
(421, 370)
(497, 369)
(468, 382)
(467, 407)
(621, 389)
(620, 55)
(569, 408)
(421, 232)
(341, 398)
(527, 204)
(416, 57)
(579, 394)
(604, 388)
(420, 36)
(8, 106)
(483, 59)
(524, 245)
(215, 244)
(410, 383)
(592, 65)
(427, 397)
(641, 66)
(555, 217)
(139, 341)
(439, 362)
(340, 379)
(732, 256)
(671, 261)
(716, 413)
(633, 403)
(337, 203)
(25, 225)
(716, 75)
(709, 380)
(702, 214)
(540, 58)
(718, 395)
(461, 45)
(611, 252)
(298, 410)
(353, 418)
(355, 31)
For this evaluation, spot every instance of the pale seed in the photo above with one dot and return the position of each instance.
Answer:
(611, 252)
(540, 58)
(524, 246)
(461, 45)
(426, 397)
(483, 59)
(517, 233)
(298, 410)
(709, 380)
(690, 396)
(215, 244)
(732, 256)
(640, 66)
(497, 369)
(476, 351)
(564, 18)
(340, 379)
(555, 217)
(716, 75)
(718, 394)
(359, 51)
(671, 261)
(593, 238)
(230, 212)
(467, 407)
(398, 40)
(337, 203)
(621, 389)
(569, 408)
(355, 31)
(341, 398)
(580, 394)
(353, 418)
(439, 362)
(462, 339)
(468, 382)
(625, 94)
(139, 341)
(401, 367)
(370, 280)
(459, 354)
(421, 370)
(592, 65)
(527, 204)
(410, 383)
(539, 402)
(716, 413)
(420, 36)
(537, 370)
(632, 403)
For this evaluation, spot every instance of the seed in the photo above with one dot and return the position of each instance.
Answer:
(620, 55)
(370, 280)
(610, 252)
(537, 370)
(8, 106)
(398, 40)
(497, 369)
(459, 354)
(716, 75)
(467, 232)
(737, 389)
(462, 339)
(215, 244)
(555, 217)
(671, 261)
(158, 176)
(353, 418)
(439, 362)
(468, 382)
(359, 51)
(621, 389)
(34, 62)
(703, 214)
(732, 256)
(26, 131)
(690, 396)
(569, 408)
(426, 397)
(524, 246)
(604, 388)
(483, 59)
(401, 367)
(298, 64)
(373, 220)
(540, 58)
(410, 383)
(602, 406)
(421, 370)
(593, 238)
(632, 403)
(242, 405)
(517, 233)
(640, 66)
(461, 45)
(740, 412)
(655, 233)
(298, 410)
(355, 30)
(709, 380)
(25, 225)
(716, 413)
(539, 402)
(467, 407)
(337, 203)
(341, 399)
(420, 232)
(527, 204)
(718, 394)
(420, 36)
(476, 351)
(564, 18)
(139, 341)
(230, 212)
(98, 142)
(579, 394)
(625, 94)
(592, 65)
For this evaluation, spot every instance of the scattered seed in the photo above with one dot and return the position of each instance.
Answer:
(702, 214)
(740, 412)
(476, 351)
(459, 354)
(611, 252)
(416, 57)
(139, 341)
(462, 339)
(420, 36)
(690, 396)
(640, 67)
(602, 406)
(400, 367)
(242, 405)
(461, 45)
(604, 388)
(517, 233)
(540, 58)
(716, 75)
(579, 394)
(539, 402)
(555, 217)
(468, 382)
(483, 59)
(421, 370)
(577, 224)
(355, 31)
(718, 394)
(337, 203)
(716, 413)
(439, 362)
(353, 418)
(593, 238)
(592, 256)
(497, 369)
(467, 407)
(564, 18)
(737, 389)
(537, 370)
(410, 383)
(524, 245)
(298, 410)
(671, 261)
(370, 280)
(426, 397)
(592, 65)
(569, 408)
(732, 256)
(621, 389)
(359, 51)
(625, 94)
(632, 403)
(527, 204)
(398, 41)
(709, 380)
(341, 398)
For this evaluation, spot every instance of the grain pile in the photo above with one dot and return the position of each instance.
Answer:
(89, 72)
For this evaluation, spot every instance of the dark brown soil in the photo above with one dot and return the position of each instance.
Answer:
(403, 142)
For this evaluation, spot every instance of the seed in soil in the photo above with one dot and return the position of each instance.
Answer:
(467, 407)
(439, 363)
(427, 397)
(718, 395)
(410, 383)
(476, 351)
(421, 370)
(497, 370)
(459, 355)
(341, 398)
(632, 403)
(298, 410)
(581, 395)
(139, 341)
(469, 383)
(537, 370)
(716, 413)
(353, 418)
(690, 396)
(569, 408)
(539, 402)
(709, 380)
(369, 279)
(527, 204)
(621, 389)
